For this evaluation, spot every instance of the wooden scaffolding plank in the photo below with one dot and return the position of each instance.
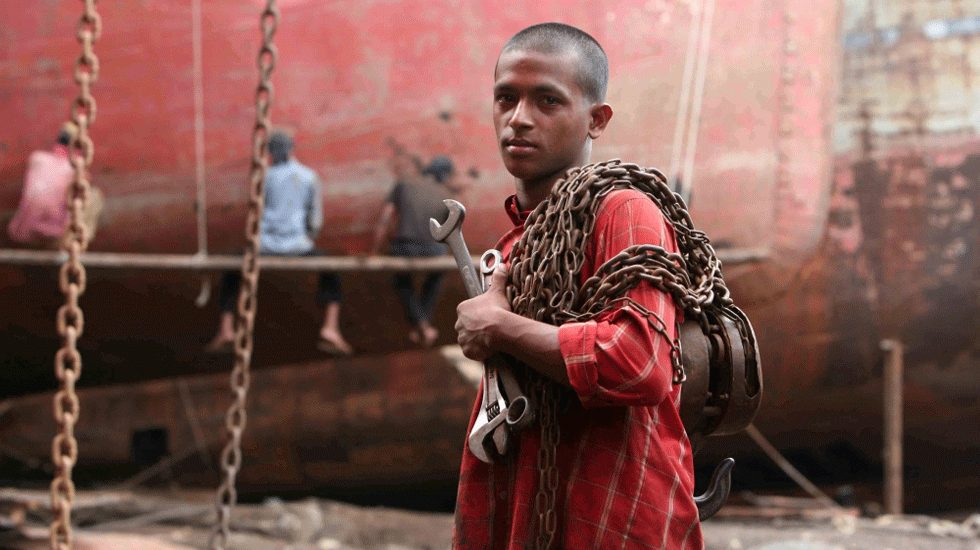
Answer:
(353, 264)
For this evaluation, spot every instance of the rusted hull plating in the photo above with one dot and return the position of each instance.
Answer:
(345, 426)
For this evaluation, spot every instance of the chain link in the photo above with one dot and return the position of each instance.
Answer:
(71, 280)
(231, 456)
(543, 285)
(544, 500)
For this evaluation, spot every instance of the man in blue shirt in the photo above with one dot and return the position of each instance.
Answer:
(291, 219)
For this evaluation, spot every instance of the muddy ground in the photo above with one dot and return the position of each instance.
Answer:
(129, 521)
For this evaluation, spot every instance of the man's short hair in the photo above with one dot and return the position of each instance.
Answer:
(68, 132)
(440, 169)
(280, 145)
(550, 38)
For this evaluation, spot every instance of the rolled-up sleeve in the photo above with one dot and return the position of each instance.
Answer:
(620, 359)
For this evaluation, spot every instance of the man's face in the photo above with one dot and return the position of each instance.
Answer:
(540, 114)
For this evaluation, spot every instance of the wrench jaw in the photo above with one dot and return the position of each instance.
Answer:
(491, 420)
(520, 410)
(457, 213)
(496, 406)
(475, 439)
(478, 433)
(483, 433)
(501, 438)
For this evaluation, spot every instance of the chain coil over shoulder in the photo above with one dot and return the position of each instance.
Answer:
(68, 362)
(231, 456)
(544, 286)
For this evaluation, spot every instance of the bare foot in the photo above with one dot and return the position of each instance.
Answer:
(430, 334)
(221, 343)
(332, 341)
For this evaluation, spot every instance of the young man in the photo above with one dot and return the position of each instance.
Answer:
(624, 471)
(291, 219)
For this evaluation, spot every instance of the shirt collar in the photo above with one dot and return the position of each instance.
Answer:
(516, 215)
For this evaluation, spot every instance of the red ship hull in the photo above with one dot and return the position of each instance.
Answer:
(852, 256)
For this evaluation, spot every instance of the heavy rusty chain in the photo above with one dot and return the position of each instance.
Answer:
(543, 284)
(231, 456)
(544, 500)
(68, 362)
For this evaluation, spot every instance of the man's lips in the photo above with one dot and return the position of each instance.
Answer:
(519, 146)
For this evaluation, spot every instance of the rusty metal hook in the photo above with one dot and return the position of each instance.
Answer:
(714, 498)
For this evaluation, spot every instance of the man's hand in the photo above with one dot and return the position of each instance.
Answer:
(478, 318)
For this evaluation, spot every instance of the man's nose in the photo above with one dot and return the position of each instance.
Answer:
(521, 116)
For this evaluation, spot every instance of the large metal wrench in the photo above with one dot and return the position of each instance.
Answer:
(520, 413)
(494, 409)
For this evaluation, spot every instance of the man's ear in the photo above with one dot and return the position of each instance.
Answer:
(599, 117)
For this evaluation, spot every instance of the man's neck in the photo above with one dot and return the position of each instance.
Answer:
(530, 193)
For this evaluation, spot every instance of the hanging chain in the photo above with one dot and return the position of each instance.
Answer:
(68, 362)
(544, 500)
(231, 456)
(543, 285)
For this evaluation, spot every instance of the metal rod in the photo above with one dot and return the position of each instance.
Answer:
(683, 111)
(694, 127)
(194, 422)
(158, 467)
(788, 468)
(26, 459)
(180, 512)
(893, 413)
(342, 264)
(199, 152)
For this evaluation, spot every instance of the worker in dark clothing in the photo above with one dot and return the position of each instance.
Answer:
(415, 198)
(291, 220)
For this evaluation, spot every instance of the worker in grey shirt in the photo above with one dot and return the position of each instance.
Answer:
(291, 220)
(414, 199)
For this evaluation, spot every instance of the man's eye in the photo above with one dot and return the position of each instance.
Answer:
(551, 100)
(505, 98)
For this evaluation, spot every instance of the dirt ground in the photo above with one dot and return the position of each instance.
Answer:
(127, 521)
(843, 533)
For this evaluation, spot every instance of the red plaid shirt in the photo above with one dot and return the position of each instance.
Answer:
(626, 478)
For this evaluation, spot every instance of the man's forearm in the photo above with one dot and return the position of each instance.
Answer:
(532, 342)
(381, 229)
(379, 235)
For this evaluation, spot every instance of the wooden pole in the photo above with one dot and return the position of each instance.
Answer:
(893, 416)
(220, 262)
(213, 262)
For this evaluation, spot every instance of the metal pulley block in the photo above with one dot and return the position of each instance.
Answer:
(696, 360)
(723, 390)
